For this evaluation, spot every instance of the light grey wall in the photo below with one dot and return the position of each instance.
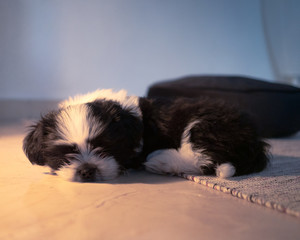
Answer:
(282, 27)
(53, 49)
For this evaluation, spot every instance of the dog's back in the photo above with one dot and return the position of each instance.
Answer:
(215, 133)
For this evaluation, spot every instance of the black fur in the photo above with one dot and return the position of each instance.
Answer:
(121, 136)
(225, 134)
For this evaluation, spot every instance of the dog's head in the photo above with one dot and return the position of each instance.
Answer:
(93, 140)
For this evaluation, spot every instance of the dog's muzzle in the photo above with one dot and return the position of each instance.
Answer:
(87, 172)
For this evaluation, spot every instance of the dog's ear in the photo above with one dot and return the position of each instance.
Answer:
(132, 126)
(32, 144)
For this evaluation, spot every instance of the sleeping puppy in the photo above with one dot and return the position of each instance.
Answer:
(97, 136)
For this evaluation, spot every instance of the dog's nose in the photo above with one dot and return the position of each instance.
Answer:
(87, 172)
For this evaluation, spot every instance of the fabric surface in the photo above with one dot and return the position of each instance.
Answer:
(277, 187)
(274, 107)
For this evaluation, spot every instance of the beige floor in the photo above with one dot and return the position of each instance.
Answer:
(36, 205)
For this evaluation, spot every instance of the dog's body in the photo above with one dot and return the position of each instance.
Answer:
(96, 136)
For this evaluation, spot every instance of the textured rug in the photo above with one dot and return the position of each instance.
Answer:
(277, 187)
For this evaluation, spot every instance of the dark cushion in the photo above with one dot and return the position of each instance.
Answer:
(275, 108)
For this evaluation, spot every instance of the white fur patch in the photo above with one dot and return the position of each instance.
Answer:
(169, 161)
(184, 160)
(76, 124)
(186, 149)
(130, 103)
(108, 169)
(225, 170)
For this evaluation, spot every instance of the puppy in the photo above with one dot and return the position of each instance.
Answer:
(97, 136)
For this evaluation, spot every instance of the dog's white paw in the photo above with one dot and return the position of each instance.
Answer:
(172, 161)
(225, 170)
(162, 161)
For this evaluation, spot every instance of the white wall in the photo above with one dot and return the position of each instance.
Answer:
(52, 49)
(282, 21)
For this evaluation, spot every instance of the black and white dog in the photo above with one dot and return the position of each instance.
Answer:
(94, 137)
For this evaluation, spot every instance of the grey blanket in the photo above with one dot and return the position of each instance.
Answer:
(277, 187)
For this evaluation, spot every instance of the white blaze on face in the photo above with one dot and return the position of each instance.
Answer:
(76, 124)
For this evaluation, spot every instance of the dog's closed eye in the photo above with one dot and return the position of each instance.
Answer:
(67, 148)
